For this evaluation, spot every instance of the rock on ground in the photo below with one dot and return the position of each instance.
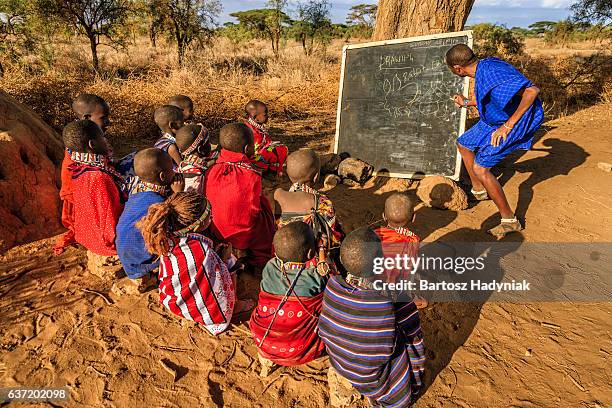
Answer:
(30, 156)
(355, 169)
(443, 193)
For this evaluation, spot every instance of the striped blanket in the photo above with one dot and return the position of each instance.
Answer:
(373, 343)
(195, 284)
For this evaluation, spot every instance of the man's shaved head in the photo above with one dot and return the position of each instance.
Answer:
(295, 242)
(150, 163)
(399, 209)
(235, 137)
(303, 165)
(460, 55)
(358, 251)
(168, 117)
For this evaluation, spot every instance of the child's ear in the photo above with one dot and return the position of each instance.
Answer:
(174, 125)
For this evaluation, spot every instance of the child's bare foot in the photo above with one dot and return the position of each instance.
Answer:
(420, 302)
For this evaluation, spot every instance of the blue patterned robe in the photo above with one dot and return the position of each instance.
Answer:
(497, 85)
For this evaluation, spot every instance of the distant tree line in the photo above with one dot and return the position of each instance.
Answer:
(32, 25)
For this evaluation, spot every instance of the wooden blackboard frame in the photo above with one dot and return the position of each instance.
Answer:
(466, 87)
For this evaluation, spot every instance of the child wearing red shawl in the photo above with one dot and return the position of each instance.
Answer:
(169, 119)
(241, 213)
(194, 281)
(397, 239)
(269, 155)
(194, 144)
(284, 324)
(94, 108)
(98, 199)
(303, 203)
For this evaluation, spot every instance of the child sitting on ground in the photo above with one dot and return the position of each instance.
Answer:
(194, 282)
(269, 155)
(98, 201)
(185, 104)
(373, 343)
(156, 180)
(241, 213)
(302, 202)
(85, 106)
(169, 119)
(284, 324)
(194, 144)
(397, 239)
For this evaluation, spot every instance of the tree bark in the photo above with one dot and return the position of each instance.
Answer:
(409, 18)
(93, 42)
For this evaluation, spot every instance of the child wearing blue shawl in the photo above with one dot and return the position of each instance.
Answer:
(510, 113)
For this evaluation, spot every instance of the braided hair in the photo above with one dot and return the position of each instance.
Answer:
(178, 211)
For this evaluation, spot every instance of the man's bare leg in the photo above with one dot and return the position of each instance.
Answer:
(468, 159)
(491, 184)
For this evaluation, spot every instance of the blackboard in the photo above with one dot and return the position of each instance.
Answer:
(395, 108)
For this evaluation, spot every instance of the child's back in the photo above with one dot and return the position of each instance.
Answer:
(98, 200)
(373, 343)
(284, 323)
(242, 215)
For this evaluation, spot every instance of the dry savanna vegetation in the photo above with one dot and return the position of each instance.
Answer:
(297, 85)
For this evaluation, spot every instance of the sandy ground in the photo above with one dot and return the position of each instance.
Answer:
(61, 325)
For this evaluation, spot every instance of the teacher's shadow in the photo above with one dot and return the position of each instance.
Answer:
(561, 157)
(450, 318)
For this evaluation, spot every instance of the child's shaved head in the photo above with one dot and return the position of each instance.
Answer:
(253, 105)
(92, 107)
(184, 103)
(295, 242)
(399, 209)
(77, 136)
(85, 104)
(257, 110)
(303, 165)
(460, 55)
(358, 251)
(235, 137)
(187, 136)
(154, 166)
(169, 118)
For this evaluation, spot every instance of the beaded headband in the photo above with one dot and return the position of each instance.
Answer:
(198, 223)
(203, 136)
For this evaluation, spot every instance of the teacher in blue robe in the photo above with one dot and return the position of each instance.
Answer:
(510, 113)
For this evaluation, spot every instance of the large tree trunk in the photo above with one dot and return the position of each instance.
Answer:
(408, 18)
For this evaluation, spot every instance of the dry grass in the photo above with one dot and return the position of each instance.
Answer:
(221, 79)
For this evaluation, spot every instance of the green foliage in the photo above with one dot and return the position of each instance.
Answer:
(497, 40)
(362, 15)
(540, 27)
(593, 11)
(95, 19)
(313, 29)
(260, 23)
